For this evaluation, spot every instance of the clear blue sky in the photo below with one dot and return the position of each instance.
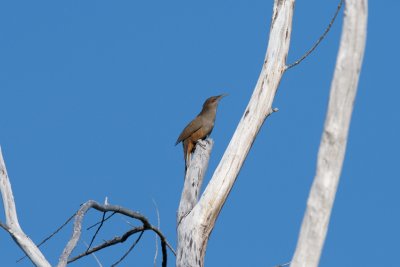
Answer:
(95, 93)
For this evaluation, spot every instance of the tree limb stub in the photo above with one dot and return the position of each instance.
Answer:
(193, 180)
(334, 137)
(194, 177)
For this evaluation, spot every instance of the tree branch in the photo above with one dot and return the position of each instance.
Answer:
(156, 237)
(104, 208)
(102, 221)
(51, 235)
(334, 138)
(129, 250)
(94, 255)
(12, 225)
(258, 109)
(97, 231)
(108, 243)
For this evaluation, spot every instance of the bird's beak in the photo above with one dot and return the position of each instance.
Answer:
(221, 96)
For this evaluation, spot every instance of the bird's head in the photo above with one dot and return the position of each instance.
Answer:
(213, 101)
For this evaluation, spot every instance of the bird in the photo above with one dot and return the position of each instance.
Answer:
(199, 128)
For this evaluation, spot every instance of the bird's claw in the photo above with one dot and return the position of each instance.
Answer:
(202, 143)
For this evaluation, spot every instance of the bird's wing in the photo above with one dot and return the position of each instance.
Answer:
(193, 126)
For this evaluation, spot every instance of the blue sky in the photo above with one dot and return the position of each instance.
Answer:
(95, 93)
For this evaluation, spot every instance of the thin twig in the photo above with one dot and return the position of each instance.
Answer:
(164, 240)
(108, 217)
(297, 62)
(128, 222)
(158, 225)
(97, 230)
(129, 250)
(283, 265)
(56, 231)
(170, 247)
(50, 236)
(94, 255)
(108, 243)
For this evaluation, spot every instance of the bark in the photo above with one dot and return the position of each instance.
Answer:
(12, 224)
(334, 138)
(194, 178)
(195, 228)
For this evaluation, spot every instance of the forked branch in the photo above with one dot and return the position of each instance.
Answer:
(116, 209)
(32, 251)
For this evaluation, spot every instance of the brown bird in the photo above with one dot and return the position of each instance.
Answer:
(199, 128)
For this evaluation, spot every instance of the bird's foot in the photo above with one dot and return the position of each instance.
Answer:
(202, 143)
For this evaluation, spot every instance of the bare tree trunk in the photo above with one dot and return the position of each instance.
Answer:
(195, 228)
(334, 138)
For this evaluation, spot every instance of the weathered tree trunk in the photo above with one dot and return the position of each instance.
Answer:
(195, 227)
(334, 138)
(189, 249)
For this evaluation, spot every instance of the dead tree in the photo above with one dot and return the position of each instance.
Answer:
(197, 220)
(197, 217)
